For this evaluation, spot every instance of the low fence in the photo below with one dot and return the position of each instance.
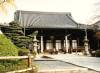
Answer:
(29, 62)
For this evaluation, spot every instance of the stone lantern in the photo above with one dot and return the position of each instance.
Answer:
(86, 45)
(35, 42)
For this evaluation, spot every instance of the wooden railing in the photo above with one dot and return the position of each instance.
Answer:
(29, 62)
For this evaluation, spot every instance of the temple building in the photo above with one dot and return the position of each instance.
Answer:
(96, 28)
(56, 30)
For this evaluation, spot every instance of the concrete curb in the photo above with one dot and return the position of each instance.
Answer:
(76, 70)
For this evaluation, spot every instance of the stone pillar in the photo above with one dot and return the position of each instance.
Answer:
(42, 44)
(66, 44)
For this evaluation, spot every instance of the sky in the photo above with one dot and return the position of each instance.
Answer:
(83, 11)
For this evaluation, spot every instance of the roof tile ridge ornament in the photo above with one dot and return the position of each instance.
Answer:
(69, 14)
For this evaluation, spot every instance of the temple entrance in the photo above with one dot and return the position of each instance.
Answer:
(60, 40)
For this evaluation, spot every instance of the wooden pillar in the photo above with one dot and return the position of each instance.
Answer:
(66, 43)
(29, 61)
(42, 45)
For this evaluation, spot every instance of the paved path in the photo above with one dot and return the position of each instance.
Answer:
(84, 61)
(50, 65)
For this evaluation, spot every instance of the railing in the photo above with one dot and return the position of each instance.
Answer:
(29, 62)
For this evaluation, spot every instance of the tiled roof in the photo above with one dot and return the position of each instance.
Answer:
(32, 19)
(97, 25)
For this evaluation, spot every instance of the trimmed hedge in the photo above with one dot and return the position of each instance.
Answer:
(7, 48)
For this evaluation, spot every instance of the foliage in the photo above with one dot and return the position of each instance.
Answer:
(4, 4)
(15, 33)
(11, 65)
(96, 53)
(23, 52)
(7, 48)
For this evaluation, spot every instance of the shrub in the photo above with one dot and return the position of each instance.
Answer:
(23, 52)
(7, 48)
(13, 65)
(2, 68)
(97, 53)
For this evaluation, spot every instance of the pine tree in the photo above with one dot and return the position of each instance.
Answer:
(15, 33)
